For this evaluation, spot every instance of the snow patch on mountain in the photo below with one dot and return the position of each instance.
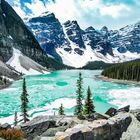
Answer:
(75, 60)
(127, 56)
(24, 64)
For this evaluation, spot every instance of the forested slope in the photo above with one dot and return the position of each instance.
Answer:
(126, 71)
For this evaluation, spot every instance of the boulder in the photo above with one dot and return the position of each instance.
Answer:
(52, 131)
(44, 138)
(98, 116)
(67, 120)
(5, 126)
(124, 109)
(37, 126)
(47, 138)
(110, 129)
(136, 113)
(111, 112)
(138, 116)
(119, 124)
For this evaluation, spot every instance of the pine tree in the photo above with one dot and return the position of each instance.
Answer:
(5, 81)
(15, 119)
(79, 92)
(61, 110)
(24, 102)
(89, 107)
(126, 71)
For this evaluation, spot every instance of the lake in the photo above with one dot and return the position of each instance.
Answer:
(47, 92)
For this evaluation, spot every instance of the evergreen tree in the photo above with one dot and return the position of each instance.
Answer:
(61, 110)
(79, 92)
(126, 71)
(89, 107)
(24, 102)
(15, 119)
(5, 81)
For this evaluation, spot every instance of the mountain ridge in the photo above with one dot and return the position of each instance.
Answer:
(83, 46)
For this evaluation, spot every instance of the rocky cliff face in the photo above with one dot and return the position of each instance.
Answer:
(74, 33)
(15, 34)
(48, 31)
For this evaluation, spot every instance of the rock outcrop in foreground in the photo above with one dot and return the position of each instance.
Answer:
(110, 129)
(70, 128)
(121, 125)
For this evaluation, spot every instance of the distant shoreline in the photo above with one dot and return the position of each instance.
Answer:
(116, 80)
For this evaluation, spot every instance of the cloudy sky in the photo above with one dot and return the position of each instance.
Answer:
(97, 13)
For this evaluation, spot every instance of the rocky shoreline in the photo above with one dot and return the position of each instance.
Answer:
(100, 77)
(122, 124)
(5, 86)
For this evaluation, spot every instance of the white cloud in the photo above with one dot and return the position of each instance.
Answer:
(78, 9)
(86, 12)
(37, 7)
(64, 9)
(114, 10)
(17, 8)
(73, 9)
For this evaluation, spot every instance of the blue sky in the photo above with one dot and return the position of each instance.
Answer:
(97, 13)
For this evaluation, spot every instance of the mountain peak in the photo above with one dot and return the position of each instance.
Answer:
(104, 28)
(48, 14)
(90, 28)
(69, 22)
(46, 17)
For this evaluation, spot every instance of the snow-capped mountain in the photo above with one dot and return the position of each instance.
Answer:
(75, 47)
(18, 46)
(127, 38)
(15, 35)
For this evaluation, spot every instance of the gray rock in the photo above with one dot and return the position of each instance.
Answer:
(110, 129)
(1, 139)
(37, 126)
(71, 121)
(47, 138)
(119, 124)
(5, 126)
(100, 116)
(44, 138)
(52, 131)
(136, 113)
(111, 112)
(138, 116)
(133, 130)
(124, 109)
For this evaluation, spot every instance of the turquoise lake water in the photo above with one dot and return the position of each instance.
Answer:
(47, 92)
